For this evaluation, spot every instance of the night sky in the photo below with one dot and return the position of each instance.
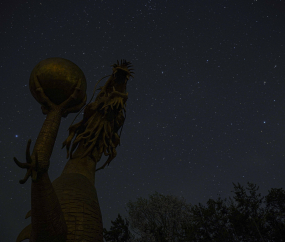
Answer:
(205, 109)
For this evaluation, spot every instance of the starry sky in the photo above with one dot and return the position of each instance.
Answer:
(205, 109)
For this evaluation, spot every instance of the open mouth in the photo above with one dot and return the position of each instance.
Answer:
(123, 69)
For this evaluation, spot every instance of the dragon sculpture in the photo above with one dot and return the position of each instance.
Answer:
(67, 209)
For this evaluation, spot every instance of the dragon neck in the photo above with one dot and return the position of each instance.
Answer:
(83, 165)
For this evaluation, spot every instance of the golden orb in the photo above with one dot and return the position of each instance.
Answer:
(58, 77)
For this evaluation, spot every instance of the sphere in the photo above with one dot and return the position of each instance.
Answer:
(58, 77)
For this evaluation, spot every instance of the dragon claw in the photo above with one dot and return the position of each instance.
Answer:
(65, 105)
(43, 99)
(30, 165)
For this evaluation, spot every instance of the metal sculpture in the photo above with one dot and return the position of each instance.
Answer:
(68, 209)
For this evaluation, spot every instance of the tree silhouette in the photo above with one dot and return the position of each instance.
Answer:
(247, 216)
(119, 231)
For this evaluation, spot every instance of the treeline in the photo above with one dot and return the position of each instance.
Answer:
(247, 217)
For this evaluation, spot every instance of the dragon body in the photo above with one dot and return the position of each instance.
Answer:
(67, 209)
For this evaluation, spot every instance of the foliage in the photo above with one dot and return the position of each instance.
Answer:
(159, 218)
(119, 231)
(247, 216)
(275, 216)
